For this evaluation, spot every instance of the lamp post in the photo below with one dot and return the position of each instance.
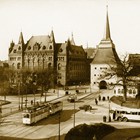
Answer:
(26, 96)
(74, 116)
(109, 118)
(19, 95)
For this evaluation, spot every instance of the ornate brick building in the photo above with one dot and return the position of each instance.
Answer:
(42, 52)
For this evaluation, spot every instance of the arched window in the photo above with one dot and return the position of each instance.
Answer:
(49, 65)
(59, 66)
(18, 66)
(13, 65)
(19, 48)
(130, 91)
(119, 91)
(134, 91)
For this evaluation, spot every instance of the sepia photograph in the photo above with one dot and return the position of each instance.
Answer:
(69, 70)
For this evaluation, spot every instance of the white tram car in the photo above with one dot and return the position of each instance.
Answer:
(36, 113)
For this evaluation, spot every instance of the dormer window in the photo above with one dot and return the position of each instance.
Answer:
(60, 50)
(50, 47)
(29, 48)
(14, 51)
(19, 48)
(44, 47)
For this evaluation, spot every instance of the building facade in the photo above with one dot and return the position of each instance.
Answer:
(41, 52)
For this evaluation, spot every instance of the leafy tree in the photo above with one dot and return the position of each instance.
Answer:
(6, 80)
(45, 79)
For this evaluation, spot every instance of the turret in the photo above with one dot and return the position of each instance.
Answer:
(21, 40)
(11, 46)
(72, 40)
(52, 37)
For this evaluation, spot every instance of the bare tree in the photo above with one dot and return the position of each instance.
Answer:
(122, 70)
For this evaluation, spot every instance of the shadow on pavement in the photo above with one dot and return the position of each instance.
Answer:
(65, 115)
(62, 137)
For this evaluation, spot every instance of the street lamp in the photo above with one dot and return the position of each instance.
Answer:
(74, 115)
(109, 118)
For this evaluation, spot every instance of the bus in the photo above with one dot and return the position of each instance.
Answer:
(36, 113)
(125, 114)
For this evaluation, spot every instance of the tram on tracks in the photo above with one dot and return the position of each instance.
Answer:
(36, 113)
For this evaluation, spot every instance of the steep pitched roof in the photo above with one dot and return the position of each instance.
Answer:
(40, 41)
(106, 55)
(90, 52)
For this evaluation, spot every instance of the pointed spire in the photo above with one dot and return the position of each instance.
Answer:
(21, 40)
(107, 35)
(72, 40)
(52, 36)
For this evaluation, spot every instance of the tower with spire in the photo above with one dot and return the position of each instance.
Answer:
(16, 53)
(106, 55)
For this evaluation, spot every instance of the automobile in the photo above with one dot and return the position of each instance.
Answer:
(85, 107)
(72, 98)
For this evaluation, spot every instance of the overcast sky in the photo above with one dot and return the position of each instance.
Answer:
(84, 18)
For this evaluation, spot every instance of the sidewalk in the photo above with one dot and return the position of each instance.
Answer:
(15, 105)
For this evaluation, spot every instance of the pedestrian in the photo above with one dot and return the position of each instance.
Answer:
(31, 102)
(96, 102)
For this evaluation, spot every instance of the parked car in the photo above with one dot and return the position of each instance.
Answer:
(72, 98)
(85, 107)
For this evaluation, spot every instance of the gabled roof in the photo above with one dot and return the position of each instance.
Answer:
(90, 52)
(40, 41)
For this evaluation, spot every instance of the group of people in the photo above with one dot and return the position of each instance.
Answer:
(99, 99)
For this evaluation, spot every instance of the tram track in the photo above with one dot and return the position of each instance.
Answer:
(28, 131)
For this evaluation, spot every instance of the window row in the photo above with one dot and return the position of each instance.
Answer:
(101, 68)
(120, 91)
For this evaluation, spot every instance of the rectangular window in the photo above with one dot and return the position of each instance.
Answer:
(50, 59)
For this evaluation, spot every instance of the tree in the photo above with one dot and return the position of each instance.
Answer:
(45, 79)
(87, 132)
(123, 71)
(6, 80)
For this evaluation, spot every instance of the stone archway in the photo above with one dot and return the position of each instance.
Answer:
(103, 85)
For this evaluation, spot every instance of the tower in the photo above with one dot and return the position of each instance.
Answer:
(106, 55)
(16, 53)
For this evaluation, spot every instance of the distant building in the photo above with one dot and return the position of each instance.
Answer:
(105, 56)
(90, 52)
(42, 52)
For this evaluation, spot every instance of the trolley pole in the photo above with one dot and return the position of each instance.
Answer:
(59, 126)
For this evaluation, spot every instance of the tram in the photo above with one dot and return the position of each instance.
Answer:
(36, 113)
